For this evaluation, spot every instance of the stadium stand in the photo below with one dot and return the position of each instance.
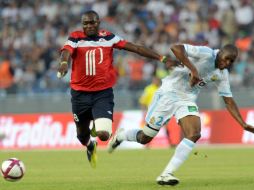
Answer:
(33, 31)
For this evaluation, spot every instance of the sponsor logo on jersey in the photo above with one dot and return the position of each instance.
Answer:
(103, 33)
(214, 78)
(192, 108)
(102, 40)
(152, 120)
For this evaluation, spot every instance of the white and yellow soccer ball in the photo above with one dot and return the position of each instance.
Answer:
(12, 169)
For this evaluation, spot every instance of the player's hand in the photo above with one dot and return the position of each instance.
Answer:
(62, 69)
(170, 63)
(194, 78)
(248, 128)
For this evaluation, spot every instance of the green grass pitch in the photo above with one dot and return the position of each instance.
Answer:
(206, 169)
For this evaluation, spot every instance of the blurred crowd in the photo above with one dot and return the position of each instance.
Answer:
(33, 31)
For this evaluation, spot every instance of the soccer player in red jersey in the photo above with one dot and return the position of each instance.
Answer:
(93, 77)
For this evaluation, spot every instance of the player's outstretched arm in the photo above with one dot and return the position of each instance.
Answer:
(149, 53)
(181, 55)
(63, 65)
(234, 111)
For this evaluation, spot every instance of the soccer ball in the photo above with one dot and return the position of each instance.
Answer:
(13, 169)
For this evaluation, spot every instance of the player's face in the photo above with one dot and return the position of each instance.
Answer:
(90, 24)
(225, 59)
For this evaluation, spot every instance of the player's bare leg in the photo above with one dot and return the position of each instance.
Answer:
(103, 127)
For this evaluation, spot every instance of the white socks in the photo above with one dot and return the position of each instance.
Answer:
(182, 152)
(130, 135)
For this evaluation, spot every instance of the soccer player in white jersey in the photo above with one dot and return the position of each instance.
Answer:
(177, 97)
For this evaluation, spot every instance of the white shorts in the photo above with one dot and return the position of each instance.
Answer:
(163, 107)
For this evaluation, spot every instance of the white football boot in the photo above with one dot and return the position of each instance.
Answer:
(167, 179)
(113, 142)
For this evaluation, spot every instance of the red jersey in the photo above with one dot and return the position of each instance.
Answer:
(92, 60)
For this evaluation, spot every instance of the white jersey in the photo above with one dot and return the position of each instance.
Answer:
(177, 83)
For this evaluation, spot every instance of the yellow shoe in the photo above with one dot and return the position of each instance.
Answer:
(92, 156)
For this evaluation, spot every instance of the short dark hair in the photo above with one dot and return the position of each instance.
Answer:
(92, 12)
(230, 48)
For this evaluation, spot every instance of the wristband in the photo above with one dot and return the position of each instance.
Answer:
(163, 59)
(59, 75)
(64, 62)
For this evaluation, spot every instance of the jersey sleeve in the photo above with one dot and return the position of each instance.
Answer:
(71, 43)
(119, 42)
(198, 51)
(223, 85)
